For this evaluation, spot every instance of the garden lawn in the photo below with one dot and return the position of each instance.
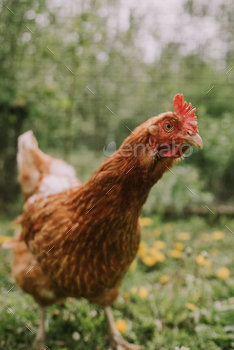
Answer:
(179, 292)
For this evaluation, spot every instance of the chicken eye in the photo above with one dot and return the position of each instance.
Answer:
(168, 127)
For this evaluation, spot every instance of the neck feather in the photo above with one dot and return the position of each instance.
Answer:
(132, 170)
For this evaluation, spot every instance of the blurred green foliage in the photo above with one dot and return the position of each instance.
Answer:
(47, 91)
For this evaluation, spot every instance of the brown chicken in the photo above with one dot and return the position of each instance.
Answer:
(83, 240)
(39, 175)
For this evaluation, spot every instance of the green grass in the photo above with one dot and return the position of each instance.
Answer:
(161, 320)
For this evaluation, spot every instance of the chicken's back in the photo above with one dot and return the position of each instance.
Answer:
(34, 166)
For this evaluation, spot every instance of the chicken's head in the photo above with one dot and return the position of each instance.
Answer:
(170, 134)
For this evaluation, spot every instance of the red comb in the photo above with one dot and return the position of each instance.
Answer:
(181, 109)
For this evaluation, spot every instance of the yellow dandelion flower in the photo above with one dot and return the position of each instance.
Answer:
(156, 254)
(143, 292)
(184, 236)
(153, 251)
(133, 290)
(218, 235)
(157, 232)
(159, 257)
(200, 259)
(179, 246)
(175, 253)
(121, 325)
(207, 263)
(143, 249)
(149, 260)
(191, 306)
(4, 239)
(159, 244)
(164, 279)
(223, 273)
(206, 237)
(146, 222)
(133, 265)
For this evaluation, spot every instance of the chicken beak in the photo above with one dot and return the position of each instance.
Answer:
(194, 140)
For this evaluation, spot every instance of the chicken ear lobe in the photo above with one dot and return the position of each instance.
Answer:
(154, 129)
